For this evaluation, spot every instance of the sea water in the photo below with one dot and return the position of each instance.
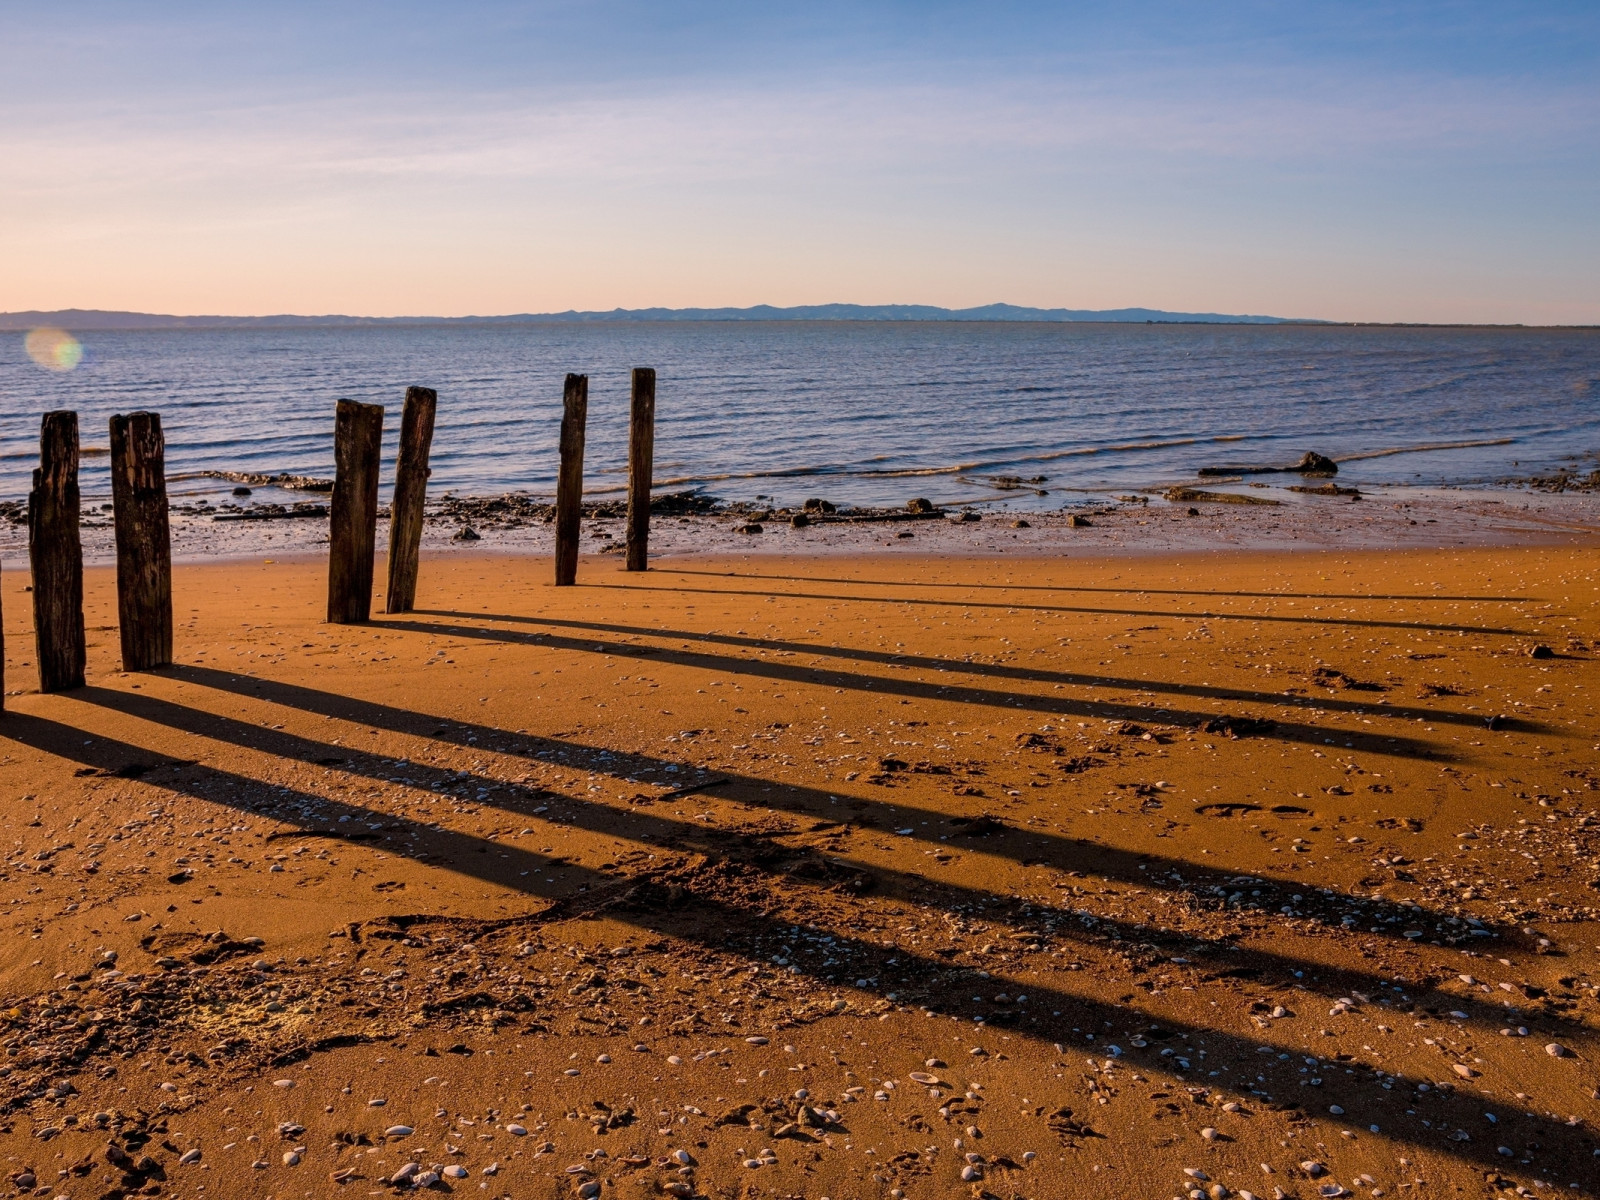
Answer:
(1036, 415)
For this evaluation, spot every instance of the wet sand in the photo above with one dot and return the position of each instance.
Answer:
(817, 876)
(1141, 523)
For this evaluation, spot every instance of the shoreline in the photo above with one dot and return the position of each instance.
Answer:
(1383, 518)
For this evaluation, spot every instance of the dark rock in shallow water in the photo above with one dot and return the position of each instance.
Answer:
(919, 505)
(799, 520)
(1076, 522)
(1311, 463)
(969, 515)
(467, 534)
(821, 506)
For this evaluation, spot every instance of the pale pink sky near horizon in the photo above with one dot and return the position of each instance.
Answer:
(1433, 162)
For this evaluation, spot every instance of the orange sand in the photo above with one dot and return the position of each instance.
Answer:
(690, 861)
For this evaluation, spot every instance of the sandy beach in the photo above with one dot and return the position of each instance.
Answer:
(923, 870)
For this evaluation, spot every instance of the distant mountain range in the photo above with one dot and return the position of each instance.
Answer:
(88, 318)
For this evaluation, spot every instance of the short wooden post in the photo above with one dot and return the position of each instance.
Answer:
(569, 483)
(56, 553)
(144, 545)
(641, 460)
(352, 540)
(410, 489)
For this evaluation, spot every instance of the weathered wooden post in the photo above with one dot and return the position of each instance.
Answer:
(641, 460)
(352, 540)
(56, 553)
(2, 643)
(410, 489)
(569, 483)
(144, 545)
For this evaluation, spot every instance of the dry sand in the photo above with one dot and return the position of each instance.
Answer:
(817, 877)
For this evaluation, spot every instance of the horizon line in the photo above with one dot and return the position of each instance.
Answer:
(127, 319)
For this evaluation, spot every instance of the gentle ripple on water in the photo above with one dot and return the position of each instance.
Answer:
(861, 412)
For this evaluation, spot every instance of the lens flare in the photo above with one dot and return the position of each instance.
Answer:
(54, 349)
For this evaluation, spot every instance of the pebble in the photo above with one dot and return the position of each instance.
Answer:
(971, 1172)
(283, 1083)
(516, 1130)
(405, 1172)
(398, 1131)
(1557, 1050)
(758, 1040)
(1209, 1134)
(189, 1156)
(456, 1171)
(291, 1158)
(675, 1060)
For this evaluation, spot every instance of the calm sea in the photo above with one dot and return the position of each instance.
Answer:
(850, 411)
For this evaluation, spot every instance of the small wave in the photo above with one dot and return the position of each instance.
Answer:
(1421, 449)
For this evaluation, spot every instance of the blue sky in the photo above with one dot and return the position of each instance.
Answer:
(1357, 161)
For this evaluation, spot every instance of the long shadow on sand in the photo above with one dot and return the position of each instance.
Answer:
(1432, 598)
(1054, 706)
(999, 671)
(1019, 845)
(718, 917)
(1206, 615)
(791, 856)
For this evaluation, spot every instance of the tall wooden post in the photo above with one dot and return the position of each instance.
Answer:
(569, 483)
(144, 546)
(352, 540)
(641, 460)
(56, 552)
(2, 642)
(410, 489)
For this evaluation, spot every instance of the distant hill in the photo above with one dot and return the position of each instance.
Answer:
(88, 318)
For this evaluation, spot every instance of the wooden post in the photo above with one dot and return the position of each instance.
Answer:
(569, 483)
(56, 553)
(352, 540)
(410, 489)
(2, 644)
(641, 460)
(144, 546)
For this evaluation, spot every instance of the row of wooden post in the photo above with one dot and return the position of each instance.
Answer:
(569, 480)
(357, 445)
(55, 550)
(143, 539)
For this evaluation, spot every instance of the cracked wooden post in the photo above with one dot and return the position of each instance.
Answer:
(352, 539)
(144, 545)
(641, 460)
(410, 489)
(569, 483)
(56, 554)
